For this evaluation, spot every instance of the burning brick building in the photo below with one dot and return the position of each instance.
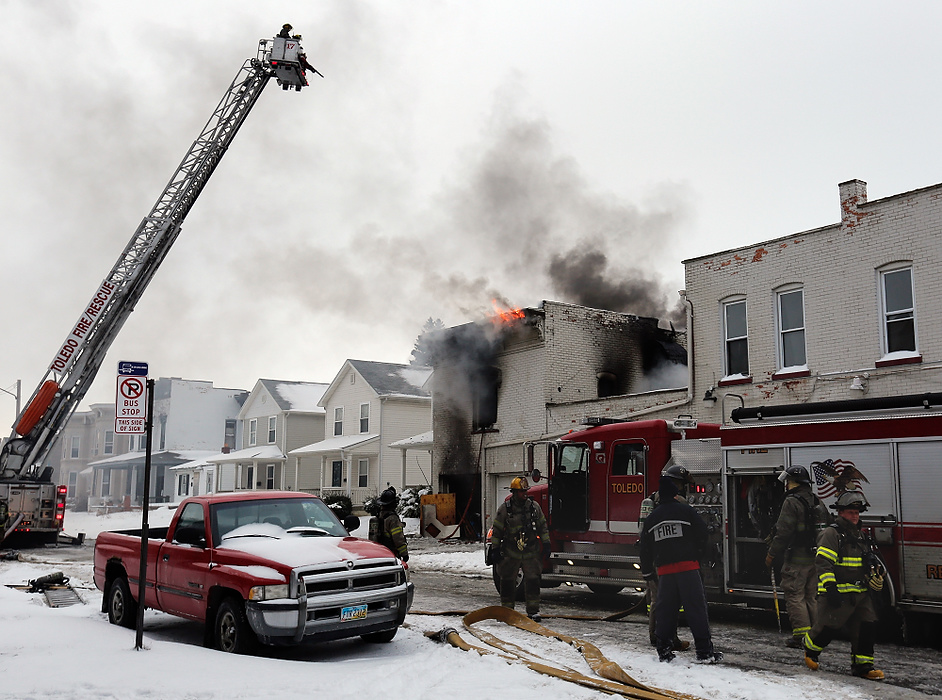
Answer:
(535, 374)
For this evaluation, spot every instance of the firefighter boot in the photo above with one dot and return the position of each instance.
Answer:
(867, 671)
(795, 642)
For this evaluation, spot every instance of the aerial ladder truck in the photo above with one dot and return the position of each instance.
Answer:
(32, 507)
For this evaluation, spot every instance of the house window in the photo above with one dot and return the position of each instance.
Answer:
(363, 472)
(250, 476)
(899, 312)
(105, 482)
(364, 418)
(73, 480)
(336, 473)
(109, 442)
(183, 485)
(270, 477)
(272, 424)
(338, 420)
(737, 347)
(162, 442)
(791, 323)
(253, 431)
(76, 443)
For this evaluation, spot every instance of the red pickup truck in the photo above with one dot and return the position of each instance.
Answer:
(275, 567)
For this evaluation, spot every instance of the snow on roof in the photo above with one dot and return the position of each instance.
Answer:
(160, 457)
(259, 452)
(390, 379)
(334, 444)
(421, 440)
(296, 396)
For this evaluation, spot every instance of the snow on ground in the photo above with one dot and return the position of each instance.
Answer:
(73, 653)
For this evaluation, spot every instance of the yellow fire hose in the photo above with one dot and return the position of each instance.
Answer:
(613, 679)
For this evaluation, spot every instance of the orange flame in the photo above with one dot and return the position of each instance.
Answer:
(504, 316)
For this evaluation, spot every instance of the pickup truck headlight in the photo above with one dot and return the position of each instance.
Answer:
(268, 592)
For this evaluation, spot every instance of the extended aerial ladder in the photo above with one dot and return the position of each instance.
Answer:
(28, 500)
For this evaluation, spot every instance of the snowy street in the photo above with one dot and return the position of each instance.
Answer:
(74, 653)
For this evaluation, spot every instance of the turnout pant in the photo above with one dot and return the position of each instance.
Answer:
(800, 586)
(684, 588)
(858, 613)
(532, 569)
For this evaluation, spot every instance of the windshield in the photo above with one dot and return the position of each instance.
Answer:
(299, 514)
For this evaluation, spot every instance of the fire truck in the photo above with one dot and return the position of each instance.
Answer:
(597, 478)
(32, 507)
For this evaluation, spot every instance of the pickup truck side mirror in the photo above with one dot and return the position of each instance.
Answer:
(351, 523)
(190, 535)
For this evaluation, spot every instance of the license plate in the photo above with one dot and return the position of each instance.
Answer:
(354, 612)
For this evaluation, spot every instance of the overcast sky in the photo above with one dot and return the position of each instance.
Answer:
(456, 152)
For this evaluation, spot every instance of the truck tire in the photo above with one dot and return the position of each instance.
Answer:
(604, 588)
(231, 630)
(383, 637)
(122, 608)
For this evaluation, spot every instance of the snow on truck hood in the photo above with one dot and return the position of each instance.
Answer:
(298, 547)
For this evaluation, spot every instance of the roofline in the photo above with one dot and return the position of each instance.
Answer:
(864, 205)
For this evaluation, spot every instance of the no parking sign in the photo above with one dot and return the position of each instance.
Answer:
(130, 400)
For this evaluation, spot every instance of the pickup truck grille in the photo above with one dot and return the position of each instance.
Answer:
(365, 575)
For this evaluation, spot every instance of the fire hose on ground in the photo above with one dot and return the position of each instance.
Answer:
(611, 677)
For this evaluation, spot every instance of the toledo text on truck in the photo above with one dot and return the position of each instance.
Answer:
(598, 477)
(31, 506)
(275, 567)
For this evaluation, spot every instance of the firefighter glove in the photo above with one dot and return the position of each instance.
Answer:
(768, 561)
(833, 596)
(875, 582)
(496, 556)
(547, 548)
(404, 557)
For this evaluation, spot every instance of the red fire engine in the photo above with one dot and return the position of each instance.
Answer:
(597, 478)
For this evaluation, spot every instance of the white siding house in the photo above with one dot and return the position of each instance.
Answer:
(277, 417)
(369, 406)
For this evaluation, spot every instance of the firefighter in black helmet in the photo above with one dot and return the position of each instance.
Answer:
(799, 522)
(673, 541)
(285, 32)
(520, 540)
(390, 526)
(847, 575)
(682, 479)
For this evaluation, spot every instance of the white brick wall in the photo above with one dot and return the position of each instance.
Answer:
(838, 267)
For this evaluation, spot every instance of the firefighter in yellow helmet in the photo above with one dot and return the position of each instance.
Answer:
(520, 540)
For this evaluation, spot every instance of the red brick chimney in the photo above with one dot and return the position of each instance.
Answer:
(853, 194)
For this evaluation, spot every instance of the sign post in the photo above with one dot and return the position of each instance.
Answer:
(134, 408)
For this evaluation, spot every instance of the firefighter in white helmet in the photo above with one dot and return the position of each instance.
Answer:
(848, 576)
(520, 540)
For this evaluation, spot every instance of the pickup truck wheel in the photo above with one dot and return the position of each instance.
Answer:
(122, 608)
(380, 637)
(232, 632)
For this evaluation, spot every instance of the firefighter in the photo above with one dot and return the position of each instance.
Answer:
(520, 541)
(390, 527)
(682, 479)
(794, 536)
(846, 576)
(285, 32)
(673, 541)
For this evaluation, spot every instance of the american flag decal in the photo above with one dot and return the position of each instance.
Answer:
(829, 478)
